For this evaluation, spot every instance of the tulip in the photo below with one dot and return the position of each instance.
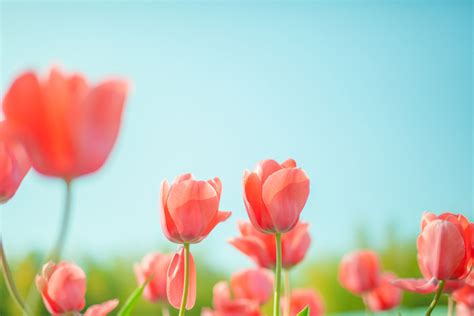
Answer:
(14, 162)
(465, 295)
(385, 296)
(189, 208)
(181, 280)
(254, 284)
(359, 271)
(275, 195)
(102, 309)
(464, 310)
(300, 298)
(224, 305)
(63, 288)
(155, 266)
(261, 247)
(68, 125)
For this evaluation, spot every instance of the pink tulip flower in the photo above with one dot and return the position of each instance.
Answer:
(175, 280)
(254, 284)
(224, 305)
(261, 247)
(102, 309)
(300, 298)
(189, 208)
(275, 194)
(154, 265)
(359, 271)
(385, 296)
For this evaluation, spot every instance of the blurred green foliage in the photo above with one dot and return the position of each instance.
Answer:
(115, 279)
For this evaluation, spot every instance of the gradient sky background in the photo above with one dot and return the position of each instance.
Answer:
(374, 101)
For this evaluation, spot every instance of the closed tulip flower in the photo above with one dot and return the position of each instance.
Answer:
(189, 208)
(153, 265)
(14, 162)
(255, 284)
(275, 194)
(102, 309)
(385, 296)
(68, 125)
(464, 310)
(63, 287)
(261, 247)
(300, 298)
(359, 271)
(225, 305)
(444, 253)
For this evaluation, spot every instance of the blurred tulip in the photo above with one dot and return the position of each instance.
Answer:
(68, 126)
(359, 271)
(175, 280)
(385, 296)
(14, 162)
(300, 298)
(464, 310)
(275, 194)
(465, 295)
(224, 305)
(255, 284)
(153, 265)
(444, 253)
(63, 287)
(189, 208)
(261, 247)
(102, 309)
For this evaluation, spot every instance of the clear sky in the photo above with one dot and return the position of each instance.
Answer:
(373, 100)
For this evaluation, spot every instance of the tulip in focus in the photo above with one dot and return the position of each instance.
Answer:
(189, 208)
(385, 296)
(261, 247)
(359, 271)
(14, 162)
(154, 265)
(68, 125)
(300, 298)
(444, 253)
(63, 288)
(250, 288)
(275, 194)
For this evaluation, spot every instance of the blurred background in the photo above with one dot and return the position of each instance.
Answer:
(372, 98)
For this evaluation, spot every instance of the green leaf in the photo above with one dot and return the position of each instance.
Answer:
(132, 300)
(304, 312)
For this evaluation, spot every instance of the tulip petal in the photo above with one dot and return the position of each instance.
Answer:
(183, 177)
(420, 286)
(102, 309)
(255, 249)
(221, 294)
(256, 209)
(285, 193)
(441, 249)
(295, 245)
(167, 223)
(67, 287)
(175, 280)
(253, 284)
(290, 163)
(265, 168)
(217, 185)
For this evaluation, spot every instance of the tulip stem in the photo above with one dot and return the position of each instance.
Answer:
(59, 245)
(165, 311)
(276, 299)
(450, 305)
(287, 293)
(184, 298)
(436, 298)
(10, 281)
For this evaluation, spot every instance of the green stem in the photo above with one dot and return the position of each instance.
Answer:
(10, 281)
(165, 311)
(450, 305)
(184, 298)
(287, 293)
(435, 299)
(56, 253)
(368, 312)
(276, 299)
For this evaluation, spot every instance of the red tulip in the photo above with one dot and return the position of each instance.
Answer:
(261, 247)
(63, 287)
(14, 162)
(385, 296)
(189, 208)
(464, 310)
(465, 295)
(254, 284)
(275, 195)
(69, 126)
(153, 265)
(224, 305)
(444, 253)
(300, 298)
(175, 280)
(359, 271)
(102, 309)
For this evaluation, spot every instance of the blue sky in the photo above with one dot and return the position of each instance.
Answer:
(373, 99)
